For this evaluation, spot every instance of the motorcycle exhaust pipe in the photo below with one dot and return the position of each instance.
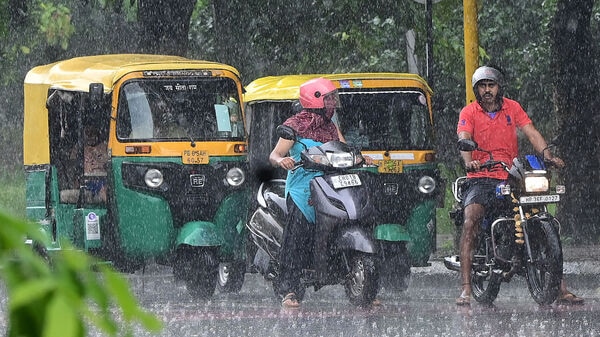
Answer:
(452, 263)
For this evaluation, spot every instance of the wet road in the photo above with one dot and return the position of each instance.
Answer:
(426, 309)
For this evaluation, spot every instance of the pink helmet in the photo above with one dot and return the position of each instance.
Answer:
(312, 92)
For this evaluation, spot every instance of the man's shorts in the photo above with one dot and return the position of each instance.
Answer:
(481, 191)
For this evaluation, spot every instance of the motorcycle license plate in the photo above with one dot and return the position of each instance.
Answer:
(539, 199)
(346, 180)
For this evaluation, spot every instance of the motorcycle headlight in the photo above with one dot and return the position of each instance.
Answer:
(344, 159)
(235, 176)
(153, 178)
(536, 184)
(426, 184)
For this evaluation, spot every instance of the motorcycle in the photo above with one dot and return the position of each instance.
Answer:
(521, 238)
(343, 237)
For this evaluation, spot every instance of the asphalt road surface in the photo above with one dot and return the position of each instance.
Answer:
(426, 309)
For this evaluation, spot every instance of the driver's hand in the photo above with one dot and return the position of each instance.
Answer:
(557, 162)
(367, 160)
(473, 165)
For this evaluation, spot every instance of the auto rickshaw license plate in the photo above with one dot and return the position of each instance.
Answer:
(346, 180)
(194, 157)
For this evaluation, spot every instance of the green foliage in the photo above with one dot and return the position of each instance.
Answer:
(12, 198)
(55, 23)
(59, 295)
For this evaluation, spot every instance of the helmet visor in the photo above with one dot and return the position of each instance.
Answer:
(332, 100)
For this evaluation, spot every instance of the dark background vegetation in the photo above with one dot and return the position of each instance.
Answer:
(546, 48)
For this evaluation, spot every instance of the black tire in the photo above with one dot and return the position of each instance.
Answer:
(198, 268)
(395, 266)
(544, 272)
(230, 277)
(485, 282)
(362, 282)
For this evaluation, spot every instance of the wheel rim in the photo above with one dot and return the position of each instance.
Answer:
(223, 273)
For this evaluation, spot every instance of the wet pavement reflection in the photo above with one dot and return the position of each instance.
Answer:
(426, 309)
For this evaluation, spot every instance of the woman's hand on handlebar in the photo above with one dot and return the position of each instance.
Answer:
(286, 163)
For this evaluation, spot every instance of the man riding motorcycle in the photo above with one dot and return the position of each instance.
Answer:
(492, 121)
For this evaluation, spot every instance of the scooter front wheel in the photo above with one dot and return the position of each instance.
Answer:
(362, 282)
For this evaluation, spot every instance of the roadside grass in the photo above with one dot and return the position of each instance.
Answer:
(12, 197)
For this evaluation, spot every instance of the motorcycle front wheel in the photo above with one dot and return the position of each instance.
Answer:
(544, 270)
(362, 282)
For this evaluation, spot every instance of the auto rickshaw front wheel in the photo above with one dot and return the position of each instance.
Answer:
(198, 268)
(231, 276)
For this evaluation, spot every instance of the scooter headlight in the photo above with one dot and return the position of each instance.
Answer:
(343, 159)
(235, 176)
(536, 184)
(153, 178)
(426, 184)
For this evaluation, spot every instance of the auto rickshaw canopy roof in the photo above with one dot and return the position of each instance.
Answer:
(286, 87)
(77, 73)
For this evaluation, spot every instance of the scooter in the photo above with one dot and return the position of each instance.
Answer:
(521, 238)
(344, 249)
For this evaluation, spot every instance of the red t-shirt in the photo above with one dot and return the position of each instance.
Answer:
(497, 134)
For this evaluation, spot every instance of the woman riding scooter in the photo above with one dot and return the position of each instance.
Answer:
(313, 126)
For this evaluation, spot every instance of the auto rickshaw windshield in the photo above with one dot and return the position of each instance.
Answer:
(176, 109)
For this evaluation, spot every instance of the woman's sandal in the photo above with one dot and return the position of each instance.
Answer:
(569, 298)
(290, 301)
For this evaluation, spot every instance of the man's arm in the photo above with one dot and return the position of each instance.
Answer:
(539, 144)
(466, 155)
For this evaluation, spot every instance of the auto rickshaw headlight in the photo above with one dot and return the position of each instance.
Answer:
(153, 178)
(426, 184)
(235, 176)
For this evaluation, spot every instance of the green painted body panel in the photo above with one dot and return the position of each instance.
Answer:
(200, 234)
(421, 227)
(391, 232)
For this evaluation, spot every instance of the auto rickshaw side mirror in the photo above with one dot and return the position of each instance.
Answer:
(286, 132)
(467, 145)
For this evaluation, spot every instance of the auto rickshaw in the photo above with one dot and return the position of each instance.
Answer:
(140, 158)
(388, 116)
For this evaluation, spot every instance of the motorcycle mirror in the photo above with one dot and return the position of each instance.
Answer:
(286, 132)
(467, 145)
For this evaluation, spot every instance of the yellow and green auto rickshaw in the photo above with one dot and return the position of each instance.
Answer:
(388, 116)
(137, 158)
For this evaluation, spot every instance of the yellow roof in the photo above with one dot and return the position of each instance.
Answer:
(77, 73)
(286, 87)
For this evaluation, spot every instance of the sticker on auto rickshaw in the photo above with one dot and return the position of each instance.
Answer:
(192, 157)
(389, 166)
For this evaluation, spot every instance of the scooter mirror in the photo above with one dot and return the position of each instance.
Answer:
(286, 132)
(467, 145)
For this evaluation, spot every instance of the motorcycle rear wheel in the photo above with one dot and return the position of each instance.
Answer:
(544, 272)
(362, 282)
